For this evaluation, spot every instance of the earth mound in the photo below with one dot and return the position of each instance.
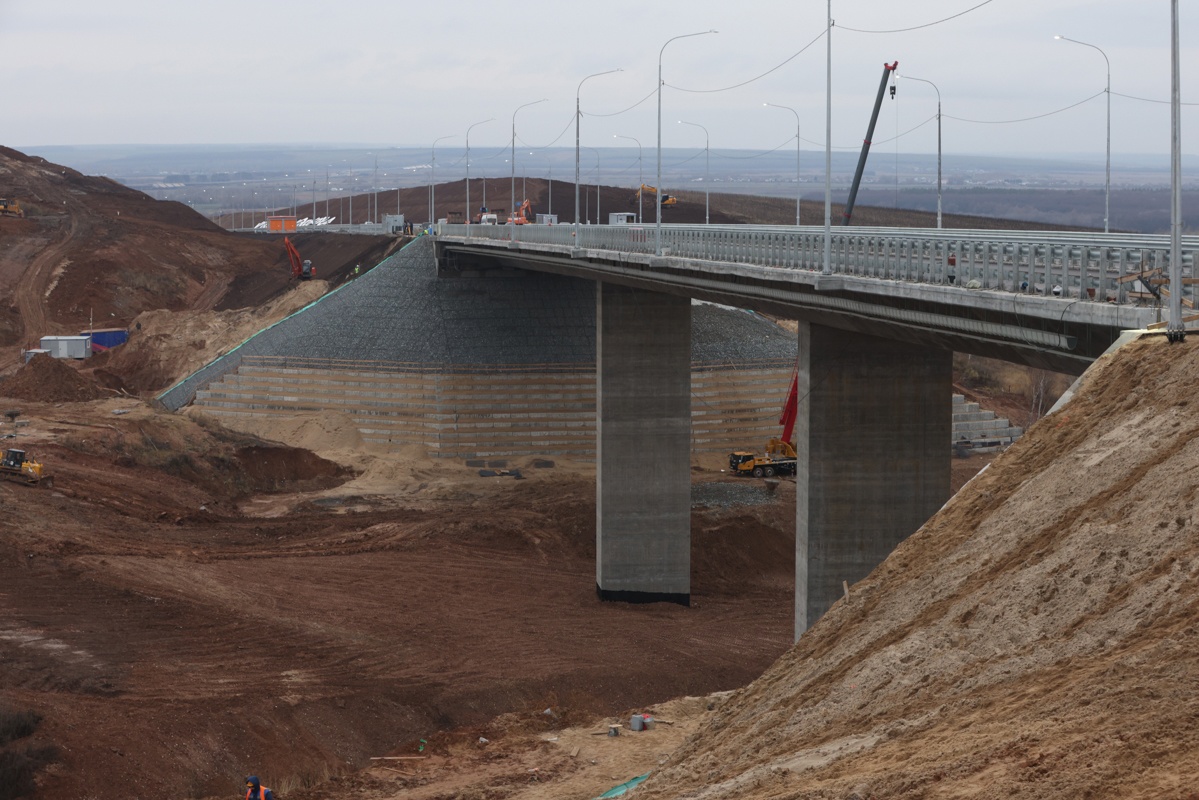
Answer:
(1036, 638)
(50, 380)
(90, 249)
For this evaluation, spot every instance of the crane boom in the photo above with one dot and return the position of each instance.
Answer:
(888, 70)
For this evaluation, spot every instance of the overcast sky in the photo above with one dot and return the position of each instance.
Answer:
(400, 73)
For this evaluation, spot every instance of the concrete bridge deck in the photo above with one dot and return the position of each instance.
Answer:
(1052, 300)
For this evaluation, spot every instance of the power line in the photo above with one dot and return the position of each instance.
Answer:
(1026, 119)
(1148, 100)
(556, 138)
(759, 77)
(756, 155)
(880, 141)
(630, 108)
(918, 27)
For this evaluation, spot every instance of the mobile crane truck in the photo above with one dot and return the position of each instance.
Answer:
(780, 457)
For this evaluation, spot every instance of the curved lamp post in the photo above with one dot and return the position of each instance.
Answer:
(707, 173)
(578, 117)
(1107, 191)
(640, 180)
(512, 205)
(480, 122)
(433, 180)
(798, 191)
(938, 91)
(658, 188)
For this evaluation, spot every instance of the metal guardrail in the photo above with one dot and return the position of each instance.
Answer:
(1086, 266)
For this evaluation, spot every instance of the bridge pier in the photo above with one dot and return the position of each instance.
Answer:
(643, 440)
(873, 436)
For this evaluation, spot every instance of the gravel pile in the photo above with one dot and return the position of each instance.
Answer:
(401, 312)
(731, 495)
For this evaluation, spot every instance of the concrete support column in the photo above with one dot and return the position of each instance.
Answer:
(873, 439)
(643, 439)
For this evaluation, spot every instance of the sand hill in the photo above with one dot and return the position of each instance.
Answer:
(1037, 638)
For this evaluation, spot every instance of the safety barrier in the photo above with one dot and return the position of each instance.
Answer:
(1085, 266)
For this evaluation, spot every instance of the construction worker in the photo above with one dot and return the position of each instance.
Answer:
(256, 791)
(357, 269)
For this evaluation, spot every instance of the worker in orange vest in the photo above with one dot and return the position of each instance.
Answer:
(256, 791)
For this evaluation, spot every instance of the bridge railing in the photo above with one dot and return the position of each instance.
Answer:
(1086, 266)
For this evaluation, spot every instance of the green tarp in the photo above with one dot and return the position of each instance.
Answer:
(617, 791)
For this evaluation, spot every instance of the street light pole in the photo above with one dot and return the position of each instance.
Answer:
(578, 117)
(938, 91)
(827, 269)
(433, 179)
(798, 191)
(480, 122)
(707, 172)
(1107, 191)
(512, 205)
(640, 179)
(658, 188)
(1176, 328)
(597, 190)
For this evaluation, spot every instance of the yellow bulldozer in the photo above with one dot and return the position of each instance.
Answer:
(10, 208)
(16, 466)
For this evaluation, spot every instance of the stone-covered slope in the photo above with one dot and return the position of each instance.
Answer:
(402, 313)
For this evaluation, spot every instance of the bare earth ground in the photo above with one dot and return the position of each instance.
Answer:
(169, 626)
(1036, 639)
(192, 603)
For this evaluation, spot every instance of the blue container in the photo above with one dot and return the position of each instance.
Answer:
(107, 337)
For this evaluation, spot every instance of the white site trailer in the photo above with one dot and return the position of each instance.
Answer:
(68, 346)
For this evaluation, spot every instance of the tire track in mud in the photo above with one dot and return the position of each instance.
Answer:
(29, 294)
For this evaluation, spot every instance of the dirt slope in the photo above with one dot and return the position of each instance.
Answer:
(1035, 639)
(92, 249)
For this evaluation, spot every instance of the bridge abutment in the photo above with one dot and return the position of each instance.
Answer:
(643, 430)
(872, 437)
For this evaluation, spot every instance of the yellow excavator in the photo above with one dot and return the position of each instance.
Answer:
(16, 466)
(650, 192)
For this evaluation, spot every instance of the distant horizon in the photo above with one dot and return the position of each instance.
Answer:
(1082, 157)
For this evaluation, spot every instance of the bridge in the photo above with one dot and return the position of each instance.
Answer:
(877, 331)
